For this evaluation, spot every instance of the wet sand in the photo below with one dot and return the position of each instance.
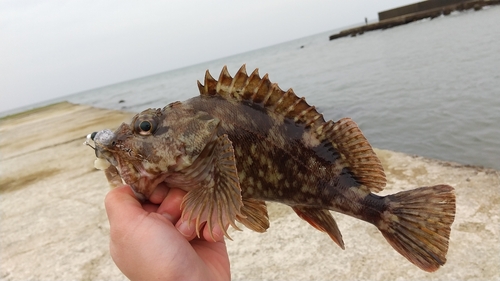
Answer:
(53, 224)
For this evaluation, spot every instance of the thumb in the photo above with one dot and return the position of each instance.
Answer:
(122, 206)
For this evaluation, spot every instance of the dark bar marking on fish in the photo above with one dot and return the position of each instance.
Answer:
(327, 152)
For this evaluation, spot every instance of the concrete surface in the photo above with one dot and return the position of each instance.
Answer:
(53, 225)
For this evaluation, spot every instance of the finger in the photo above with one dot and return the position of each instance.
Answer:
(187, 228)
(159, 194)
(121, 206)
(217, 234)
(171, 205)
(150, 207)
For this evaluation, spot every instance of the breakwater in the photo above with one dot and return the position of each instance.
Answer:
(414, 12)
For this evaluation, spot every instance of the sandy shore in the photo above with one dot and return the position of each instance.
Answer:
(54, 227)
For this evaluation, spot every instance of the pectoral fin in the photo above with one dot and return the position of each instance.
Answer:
(254, 214)
(217, 200)
(322, 220)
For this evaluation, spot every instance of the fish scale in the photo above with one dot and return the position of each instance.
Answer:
(245, 141)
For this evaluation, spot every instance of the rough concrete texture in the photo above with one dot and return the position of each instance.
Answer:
(54, 226)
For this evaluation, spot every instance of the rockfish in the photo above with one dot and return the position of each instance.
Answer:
(244, 141)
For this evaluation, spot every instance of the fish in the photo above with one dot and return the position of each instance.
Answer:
(244, 141)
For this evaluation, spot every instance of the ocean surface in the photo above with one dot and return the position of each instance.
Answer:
(430, 88)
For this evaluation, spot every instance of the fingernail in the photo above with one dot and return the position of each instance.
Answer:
(168, 216)
(184, 228)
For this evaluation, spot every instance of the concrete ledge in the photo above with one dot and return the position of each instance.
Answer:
(54, 227)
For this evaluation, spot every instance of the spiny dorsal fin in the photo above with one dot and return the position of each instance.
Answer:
(344, 135)
(210, 85)
(261, 91)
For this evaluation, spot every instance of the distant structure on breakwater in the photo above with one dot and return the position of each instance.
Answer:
(414, 12)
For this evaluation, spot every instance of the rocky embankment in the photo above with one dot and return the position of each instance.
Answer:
(54, 226)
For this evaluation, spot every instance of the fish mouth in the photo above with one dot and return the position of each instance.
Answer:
(102, 141)
(108, 156)
(132, 172)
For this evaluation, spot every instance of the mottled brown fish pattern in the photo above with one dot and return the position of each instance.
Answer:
(244, 141)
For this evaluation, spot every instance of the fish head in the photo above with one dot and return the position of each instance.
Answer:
(155, 144)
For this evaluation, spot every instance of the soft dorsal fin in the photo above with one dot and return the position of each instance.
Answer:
(354, 148)
(344, 135)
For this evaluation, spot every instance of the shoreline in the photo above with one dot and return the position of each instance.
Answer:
(54, 226)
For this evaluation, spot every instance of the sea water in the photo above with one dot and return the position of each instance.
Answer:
(430, 88)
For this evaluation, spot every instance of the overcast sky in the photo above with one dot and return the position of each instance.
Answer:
(55, 48)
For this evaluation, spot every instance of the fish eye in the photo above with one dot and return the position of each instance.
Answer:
(145, 127)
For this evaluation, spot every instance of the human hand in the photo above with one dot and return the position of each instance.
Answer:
(149, 242)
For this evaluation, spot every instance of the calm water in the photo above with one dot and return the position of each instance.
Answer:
(430, 88)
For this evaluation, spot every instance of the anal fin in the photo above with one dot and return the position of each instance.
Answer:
(322, 220)
(217, 199)
(255, 215)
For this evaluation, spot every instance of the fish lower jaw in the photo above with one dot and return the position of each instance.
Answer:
(144, 187)
(106, 156)
(101, 164)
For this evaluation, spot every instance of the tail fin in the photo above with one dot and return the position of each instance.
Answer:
(417, 224)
